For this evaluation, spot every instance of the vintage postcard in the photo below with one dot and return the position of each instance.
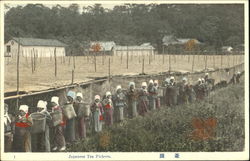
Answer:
(124, 80)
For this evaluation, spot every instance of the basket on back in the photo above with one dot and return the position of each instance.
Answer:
(83, 110)
(57, 117)
(68, 111)
(39, 122)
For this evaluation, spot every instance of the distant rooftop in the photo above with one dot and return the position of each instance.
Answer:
(39, 42)
(105, 45)
(171, 40)
(141, 47)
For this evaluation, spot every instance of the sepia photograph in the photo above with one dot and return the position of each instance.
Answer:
(114, 76)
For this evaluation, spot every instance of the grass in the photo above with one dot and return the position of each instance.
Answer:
(170, 128)
(43, 77)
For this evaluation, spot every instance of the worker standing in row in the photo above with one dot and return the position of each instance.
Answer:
(59, 140)
(97, 114)
(152, 95)
(143, 99)
(120, 103)
(108, 109)
(22, 137)
(132, 96)
(70, 123)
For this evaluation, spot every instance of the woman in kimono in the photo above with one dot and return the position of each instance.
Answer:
(97, 114)
(199, 90)
(167, 91)
(183, 97)
(22, 138)
(70, 123)
(143, 99)
(41, 140)
(108, 109)
(59, 140)
(157, 98)
(8, 129)
(119, 102)
(173, 92)
(152, 95)
(81, 120)
(132, 96)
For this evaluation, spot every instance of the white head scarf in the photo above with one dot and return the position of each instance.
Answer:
(151, 81)
(184, 79)
(55, 100)
(167, 80)
(42, 104)
(172, 78)
(144, 84)
(79, 94)
(108, 93)
(131, 84)
(97, 97)
(118, 87)
(25, 108)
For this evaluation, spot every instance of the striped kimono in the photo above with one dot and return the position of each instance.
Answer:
(143, 102)
(59, 140)
(97, 116)
(108, 109)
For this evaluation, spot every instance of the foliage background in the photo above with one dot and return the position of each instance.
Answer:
(128, 24)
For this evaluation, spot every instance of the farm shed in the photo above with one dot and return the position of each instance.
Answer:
(176, 45)
(102, 47)
(144, 49)
(29, 46)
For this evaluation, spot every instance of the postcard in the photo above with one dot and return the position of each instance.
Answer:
(124, 80)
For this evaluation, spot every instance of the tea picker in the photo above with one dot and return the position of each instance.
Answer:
(97, 114)
(8, 129)
(59, 122)
(108, 109)
(22, 138)
(69, 112)
(40, 128)
(83, 111)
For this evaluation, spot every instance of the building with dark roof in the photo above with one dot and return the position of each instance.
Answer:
(31, 46)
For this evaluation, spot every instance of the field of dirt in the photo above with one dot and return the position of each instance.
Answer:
(44, 74)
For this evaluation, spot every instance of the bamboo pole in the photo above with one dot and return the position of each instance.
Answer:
(74, 62)
(127, 57)
(205, 62)
(193, 63)
(34, 60)
(103, 58)
(121, 57)
(72, 79)
(55, 62)
(32, 64)
(17, 67)
(169, 63)
(109, 69)
(95, 61)
(143, 65)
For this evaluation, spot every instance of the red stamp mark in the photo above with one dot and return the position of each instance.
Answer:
(203, 129)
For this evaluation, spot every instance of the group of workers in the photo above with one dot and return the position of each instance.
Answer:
(124, 103)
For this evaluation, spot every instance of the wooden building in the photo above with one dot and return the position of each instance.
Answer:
(31, 46)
